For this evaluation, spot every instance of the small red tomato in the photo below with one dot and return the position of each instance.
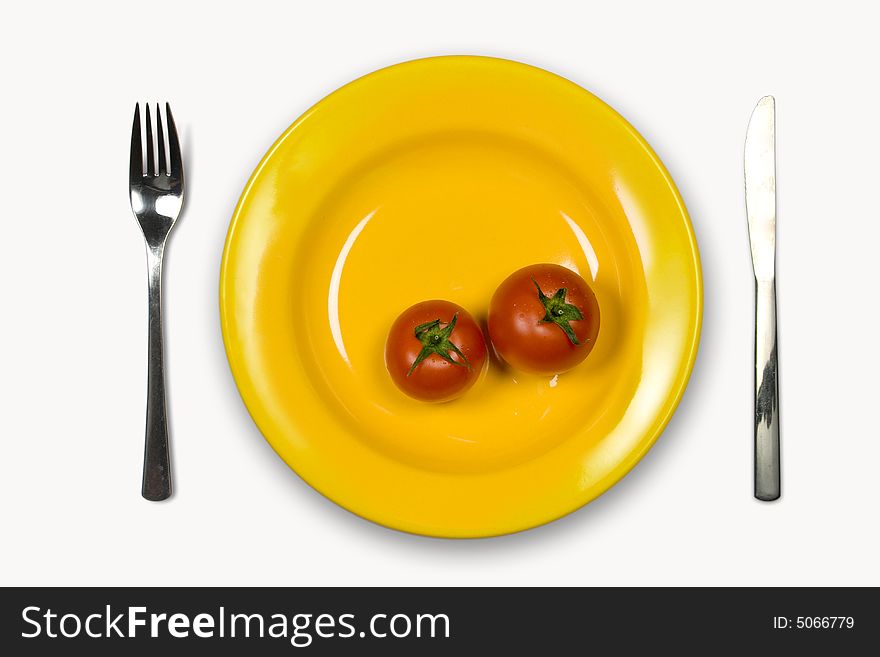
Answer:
(543, 319)
(435, 351)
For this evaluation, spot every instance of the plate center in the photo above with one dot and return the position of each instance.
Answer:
(449, 216)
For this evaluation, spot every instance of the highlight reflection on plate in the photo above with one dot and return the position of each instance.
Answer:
(437, 179)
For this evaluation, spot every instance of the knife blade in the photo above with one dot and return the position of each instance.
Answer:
(760, 172)
(760, 188)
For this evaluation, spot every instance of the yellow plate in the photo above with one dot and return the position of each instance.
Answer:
(436, 179)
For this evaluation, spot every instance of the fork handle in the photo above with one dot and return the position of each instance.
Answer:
(767, 475)
(157, 465)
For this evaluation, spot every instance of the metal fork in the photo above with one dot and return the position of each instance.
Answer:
(156, 198)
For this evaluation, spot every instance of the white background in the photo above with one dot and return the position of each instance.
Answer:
(686, 74)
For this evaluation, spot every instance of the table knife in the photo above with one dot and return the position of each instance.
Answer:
(760, 184)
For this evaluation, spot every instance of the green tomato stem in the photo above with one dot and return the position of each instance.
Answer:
(559, 312)
(436, 340)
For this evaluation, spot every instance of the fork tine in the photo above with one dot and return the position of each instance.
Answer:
(163, 169)
(151, 157)
(136, 169)
(176, 168)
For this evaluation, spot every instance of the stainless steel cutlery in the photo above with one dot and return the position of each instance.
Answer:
(156, 186)
(760, 182)
(156, 192)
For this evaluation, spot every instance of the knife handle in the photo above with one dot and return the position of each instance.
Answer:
(767, 476)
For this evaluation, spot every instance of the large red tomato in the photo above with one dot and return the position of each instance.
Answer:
(543, 319)
(435, 351)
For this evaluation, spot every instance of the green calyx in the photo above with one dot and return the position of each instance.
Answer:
(435, 340)
(559, 312)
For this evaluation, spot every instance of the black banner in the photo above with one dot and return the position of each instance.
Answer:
(278, 621)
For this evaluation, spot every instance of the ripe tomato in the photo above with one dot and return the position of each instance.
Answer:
(543, 319)
(435, 351)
